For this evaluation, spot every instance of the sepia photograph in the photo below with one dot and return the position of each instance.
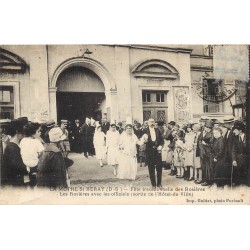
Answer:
(124, 124)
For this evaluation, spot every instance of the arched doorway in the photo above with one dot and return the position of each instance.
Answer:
(80, 93)
(95, 68)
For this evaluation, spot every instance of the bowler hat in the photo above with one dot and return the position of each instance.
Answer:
(56, 135)
(209, 124)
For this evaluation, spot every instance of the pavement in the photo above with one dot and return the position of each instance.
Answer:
(86, 171)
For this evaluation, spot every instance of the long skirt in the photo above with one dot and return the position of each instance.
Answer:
(112, 155)
(100, 152)
(127, 168)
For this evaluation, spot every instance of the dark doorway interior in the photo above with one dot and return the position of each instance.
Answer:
(75, 105)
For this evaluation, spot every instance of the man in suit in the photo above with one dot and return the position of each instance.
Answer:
(205, 153)
(239, 154)
(86, 132)
(76, 136)
(228, 149)
(105, 125)
(153, 153)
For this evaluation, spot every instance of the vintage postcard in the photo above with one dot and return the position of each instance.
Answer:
(124, 124)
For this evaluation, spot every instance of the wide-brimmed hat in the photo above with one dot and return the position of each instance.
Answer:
(172, 123)
(23, 120)
(56, 135)
(209, 124)
(50, 123)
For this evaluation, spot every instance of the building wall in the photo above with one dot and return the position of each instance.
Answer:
(33, 87)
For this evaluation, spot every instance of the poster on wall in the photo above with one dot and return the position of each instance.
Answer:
(181, 104)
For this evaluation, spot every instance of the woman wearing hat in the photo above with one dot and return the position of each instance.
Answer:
(127, 160)
(13, 169)
(239, 155)
(51, 167)
(112, 144)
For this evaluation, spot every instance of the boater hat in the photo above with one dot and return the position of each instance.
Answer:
(228, 120)
(203, 119)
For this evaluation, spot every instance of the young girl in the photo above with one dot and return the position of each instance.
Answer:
(99, 145)
(178, 154)
(189, 153)
(197, 160)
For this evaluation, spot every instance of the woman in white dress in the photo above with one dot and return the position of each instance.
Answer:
(128, 160)
(112, 145)
(189, 153)
(99, 144)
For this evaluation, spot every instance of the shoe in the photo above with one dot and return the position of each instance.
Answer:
(198, 182)
(182, 176)
(191, 179)
(204, 184)
(86, 156)
(101, 166)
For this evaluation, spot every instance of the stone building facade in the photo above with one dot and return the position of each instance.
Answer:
(166, 82)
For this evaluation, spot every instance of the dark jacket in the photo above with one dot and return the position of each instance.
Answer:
(105, 127)
(228, 143)
(150, 145)
(239, 152)
(51, 168)
(13, 166)
(87, 132)
(205, 150)
(221, 170)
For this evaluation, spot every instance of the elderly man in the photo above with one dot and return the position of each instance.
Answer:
(153, 153)
(87, 137)
(105, 125)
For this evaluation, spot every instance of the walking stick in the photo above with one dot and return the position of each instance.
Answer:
(232, 177)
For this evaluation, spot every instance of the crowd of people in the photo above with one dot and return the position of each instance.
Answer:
(208, 153)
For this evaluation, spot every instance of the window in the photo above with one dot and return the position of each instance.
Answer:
(211, 95)
(6, 102)
(146, 97)
(160, 97)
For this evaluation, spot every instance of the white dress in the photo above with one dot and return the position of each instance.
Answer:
(127, 161)
(189, 149)
(99, 144)
(112, 144)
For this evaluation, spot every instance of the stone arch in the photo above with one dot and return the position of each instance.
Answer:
(93, 65)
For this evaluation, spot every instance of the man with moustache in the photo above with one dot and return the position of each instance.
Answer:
(153, 153)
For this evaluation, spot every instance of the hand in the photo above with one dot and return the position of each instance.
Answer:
(204, 143)
(159, 148)
(235, 163)
(215, 160)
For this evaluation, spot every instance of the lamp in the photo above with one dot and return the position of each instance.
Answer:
(87, 52)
